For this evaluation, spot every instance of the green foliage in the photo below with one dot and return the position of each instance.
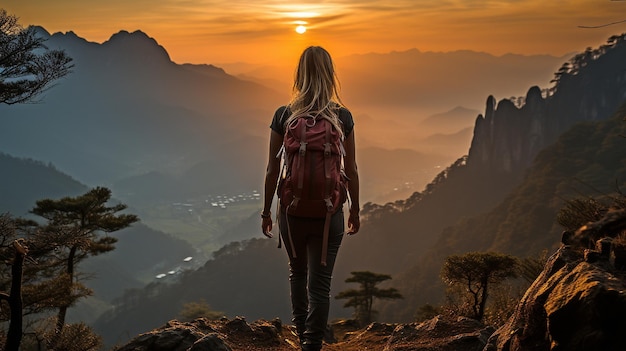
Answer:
(79, 337)
(476, 272)
(363, 298)
(580, 211)
(198, 309)
(74, 337)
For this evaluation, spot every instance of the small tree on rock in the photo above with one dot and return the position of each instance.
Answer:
(363, 298)
(476, 272)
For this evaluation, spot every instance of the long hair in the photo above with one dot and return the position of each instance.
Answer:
(315, 88)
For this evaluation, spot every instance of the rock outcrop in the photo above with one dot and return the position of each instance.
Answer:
(439, 333)
(206, 335)
(578, 302)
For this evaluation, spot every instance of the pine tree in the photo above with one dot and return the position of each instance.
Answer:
(27, 67)
(73, 233)
(363, 298)
(476, 272)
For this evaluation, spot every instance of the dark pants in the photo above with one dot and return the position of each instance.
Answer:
(309, 279)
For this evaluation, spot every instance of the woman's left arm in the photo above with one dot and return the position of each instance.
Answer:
(271, 179)
(352, 172)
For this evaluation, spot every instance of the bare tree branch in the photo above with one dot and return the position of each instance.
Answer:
(603, 25)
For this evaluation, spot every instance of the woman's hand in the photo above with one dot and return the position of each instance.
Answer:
(354, 223)
(266, 226)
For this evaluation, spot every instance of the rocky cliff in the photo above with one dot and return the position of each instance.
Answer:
(591, 86)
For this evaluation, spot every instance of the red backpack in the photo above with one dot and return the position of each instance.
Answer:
(314, 184)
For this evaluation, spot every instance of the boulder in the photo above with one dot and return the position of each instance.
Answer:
(577, 303)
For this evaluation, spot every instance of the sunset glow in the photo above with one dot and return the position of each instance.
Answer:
(214, 31)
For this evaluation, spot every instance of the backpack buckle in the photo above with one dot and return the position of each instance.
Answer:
(327, 150)
(329, 204)
(302, 148)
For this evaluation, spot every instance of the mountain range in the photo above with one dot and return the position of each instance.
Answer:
(133, 111)
(145, 121)
(130, 118)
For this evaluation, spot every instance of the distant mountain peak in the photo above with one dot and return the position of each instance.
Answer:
(124, 35)
(68, 35)
(41, 32)
(136, 43)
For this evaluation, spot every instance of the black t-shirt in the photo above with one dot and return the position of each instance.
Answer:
(281, 115)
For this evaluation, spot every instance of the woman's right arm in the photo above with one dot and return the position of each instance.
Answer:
(271, 179)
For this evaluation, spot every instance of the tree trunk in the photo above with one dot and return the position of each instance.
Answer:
(63, 309)
(14, 335)
(483, 302)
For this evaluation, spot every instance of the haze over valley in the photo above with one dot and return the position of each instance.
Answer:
(149, 119)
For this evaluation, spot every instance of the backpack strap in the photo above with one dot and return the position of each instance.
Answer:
(327, 166)
(298, 189)
(302, 154)
(329, 204)
(278, 220)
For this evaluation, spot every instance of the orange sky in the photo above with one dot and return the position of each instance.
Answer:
(263, 31)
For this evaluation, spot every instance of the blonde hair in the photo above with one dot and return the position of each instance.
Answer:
(315, 88)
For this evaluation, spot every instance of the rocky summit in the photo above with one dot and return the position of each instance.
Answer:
(439, 333)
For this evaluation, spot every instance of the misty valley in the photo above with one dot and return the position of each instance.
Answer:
(445, 168)
(202, 222)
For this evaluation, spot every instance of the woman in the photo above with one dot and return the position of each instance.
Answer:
(315, 92)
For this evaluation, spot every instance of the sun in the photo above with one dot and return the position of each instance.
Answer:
(300, 29)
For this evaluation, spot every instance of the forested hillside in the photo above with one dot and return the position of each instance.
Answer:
(588, 161)
(24, 181)
(141, 252)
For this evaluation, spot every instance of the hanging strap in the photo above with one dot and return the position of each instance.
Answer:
(291, 244)
(278, 215)
(325, 238)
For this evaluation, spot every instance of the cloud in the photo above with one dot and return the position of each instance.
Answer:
(356, 26)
